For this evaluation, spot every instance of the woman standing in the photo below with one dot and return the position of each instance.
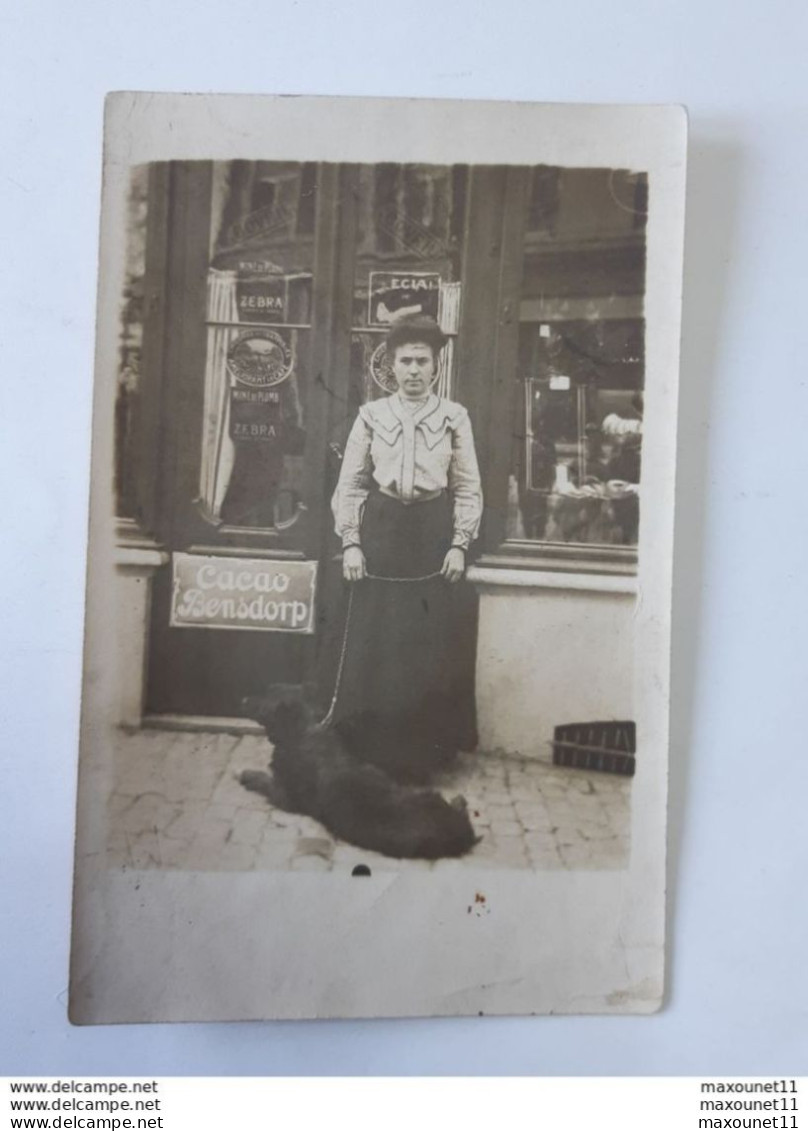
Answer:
(407, 507)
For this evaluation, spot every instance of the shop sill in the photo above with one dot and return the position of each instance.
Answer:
(490, 577)
(213, 724)
(139, 558)
(135, 550)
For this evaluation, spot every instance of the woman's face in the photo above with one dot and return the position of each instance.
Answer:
(414, 368)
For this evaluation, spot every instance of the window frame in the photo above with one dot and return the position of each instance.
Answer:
(498, 201)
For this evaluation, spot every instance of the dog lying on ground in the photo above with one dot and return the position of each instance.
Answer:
(312, 773)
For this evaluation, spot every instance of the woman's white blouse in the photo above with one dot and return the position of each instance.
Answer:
(411, 456)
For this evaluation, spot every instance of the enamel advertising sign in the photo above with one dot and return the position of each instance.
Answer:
(243, 593)
(393, 294)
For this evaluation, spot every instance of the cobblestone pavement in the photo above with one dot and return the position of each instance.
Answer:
(176, 803)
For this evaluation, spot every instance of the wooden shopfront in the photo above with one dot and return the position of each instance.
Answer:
(253, 331)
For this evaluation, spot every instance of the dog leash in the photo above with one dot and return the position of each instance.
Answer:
(426, 577)
(328, 718)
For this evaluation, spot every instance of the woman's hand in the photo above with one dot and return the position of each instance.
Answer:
(353, 564)
(454, 565)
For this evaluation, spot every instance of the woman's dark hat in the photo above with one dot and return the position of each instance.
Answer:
(414, 328)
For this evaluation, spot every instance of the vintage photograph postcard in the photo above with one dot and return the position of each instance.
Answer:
(376, 681)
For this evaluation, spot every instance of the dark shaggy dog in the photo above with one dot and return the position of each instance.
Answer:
(313, 774)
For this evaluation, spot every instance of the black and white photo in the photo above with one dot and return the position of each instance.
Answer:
(381, 538)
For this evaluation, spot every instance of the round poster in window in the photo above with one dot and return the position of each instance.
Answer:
(260, 359)
(382, 371)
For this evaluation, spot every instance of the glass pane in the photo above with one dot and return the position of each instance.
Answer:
(577, 429)
(410, 226)
(259, 341)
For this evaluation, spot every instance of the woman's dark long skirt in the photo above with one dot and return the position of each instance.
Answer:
(406, 693)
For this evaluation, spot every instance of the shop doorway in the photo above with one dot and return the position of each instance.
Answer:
(268, 290)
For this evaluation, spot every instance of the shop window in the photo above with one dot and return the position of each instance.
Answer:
(574, 476)
(577, 435)
(407, 260)
(251, 474)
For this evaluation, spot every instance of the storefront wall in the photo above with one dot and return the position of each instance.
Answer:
(529, 678)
